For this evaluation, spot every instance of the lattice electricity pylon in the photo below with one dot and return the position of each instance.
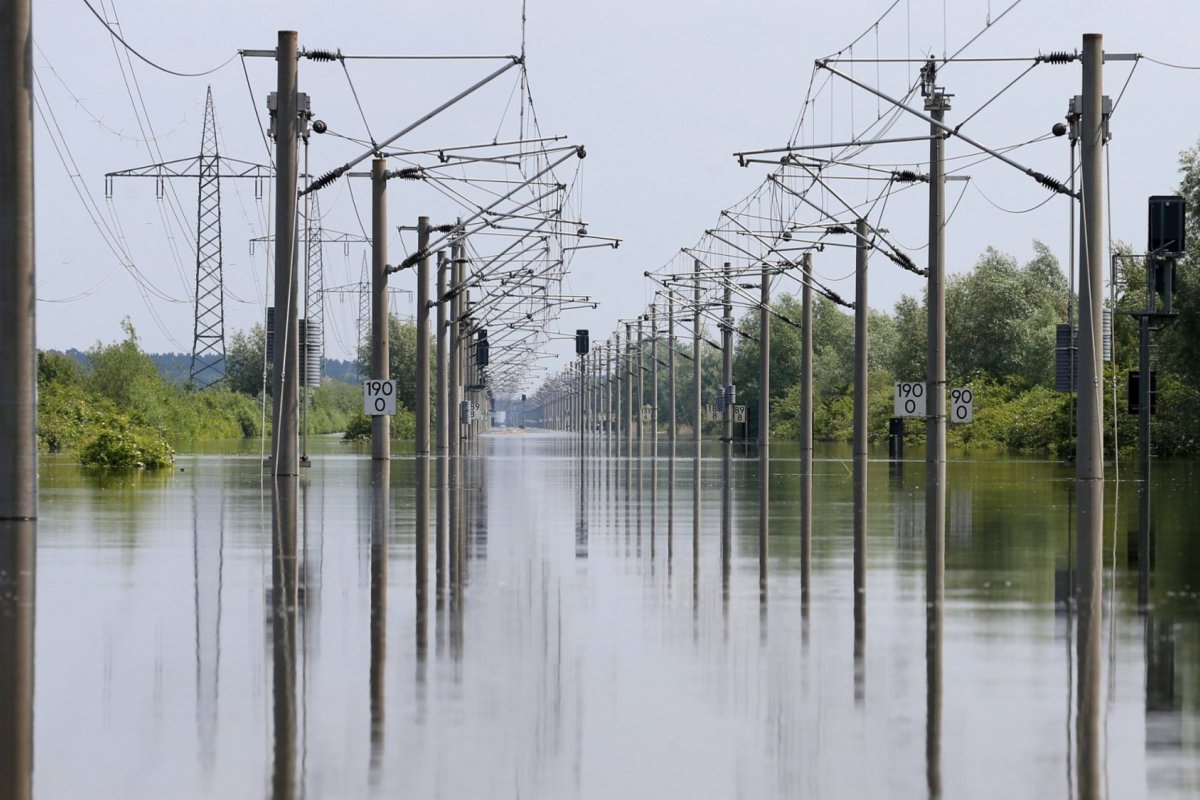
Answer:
(314, 294)
(364, 315)
(208, 337)
(208, 341)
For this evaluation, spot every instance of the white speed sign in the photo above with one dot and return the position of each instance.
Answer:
(379, 398)
(909, 399)
(962, 405)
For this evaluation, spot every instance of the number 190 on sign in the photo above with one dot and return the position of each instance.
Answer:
(909, 399)
(379, 398)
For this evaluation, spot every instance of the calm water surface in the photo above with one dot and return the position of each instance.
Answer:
(186, 646)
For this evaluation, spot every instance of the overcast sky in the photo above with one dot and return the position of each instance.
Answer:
(661, 93)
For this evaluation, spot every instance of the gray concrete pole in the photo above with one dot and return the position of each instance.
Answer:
(422, 415)
(860, 348)
(630, 411)
(381, 426)
(18, 369)
(1089, 464)
(861, 310)
(697, 425)
(614, 432)
(641, 385)
(608, 407)
(727, 422)
(453, 428)
(285, 421)
(671, 421)
(764, 424)
(468, 354)
(937, 103)
(654, 380)
(441, 438)
(582, 409)
(465, 342)
(454, 356)
(18, 404)
(806, 433)
(619, 392)
(935, 432)
(422, 389)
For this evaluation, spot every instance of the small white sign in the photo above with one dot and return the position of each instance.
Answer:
(379, 398)
(962, 405)
(739, 414)
(474, 411)
(647, 413)
(711, 413)
(909, 399)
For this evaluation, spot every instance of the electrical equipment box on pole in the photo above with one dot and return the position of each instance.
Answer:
(1168, 216)
(1135, 392)
(481, 349)
(582, 345)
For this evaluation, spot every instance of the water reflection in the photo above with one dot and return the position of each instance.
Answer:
(208, 553)
(285, 603)
(581, 521)
(1089, 630)
(578, 663)
(381, 524)
(860, 574)
(17, 561)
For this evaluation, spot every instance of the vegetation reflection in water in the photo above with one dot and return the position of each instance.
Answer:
(579, 630)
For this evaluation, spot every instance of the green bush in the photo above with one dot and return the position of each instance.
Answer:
(359, 426)
(124, 448)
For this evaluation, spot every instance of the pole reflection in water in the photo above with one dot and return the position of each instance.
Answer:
(671, 505)
(1145, 546)
(581, 522)
(380, 527)
(421, 532)
(208, 517)
(638, 499)
(628, 489)
(17, 563)
(860, 574)
(285, 603)
(935, 570)
(726, 523)
(1089, 624)
(654, 497)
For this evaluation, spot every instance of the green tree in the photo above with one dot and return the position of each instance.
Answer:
(1000, 318)
(244, 363)
(908, 356)
(402, 361)
(124, 374)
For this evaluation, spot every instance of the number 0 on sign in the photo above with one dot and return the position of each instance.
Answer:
(962, 405)
(909, 399)
(379, 398)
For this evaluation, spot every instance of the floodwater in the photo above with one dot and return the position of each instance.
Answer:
(198, 634)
